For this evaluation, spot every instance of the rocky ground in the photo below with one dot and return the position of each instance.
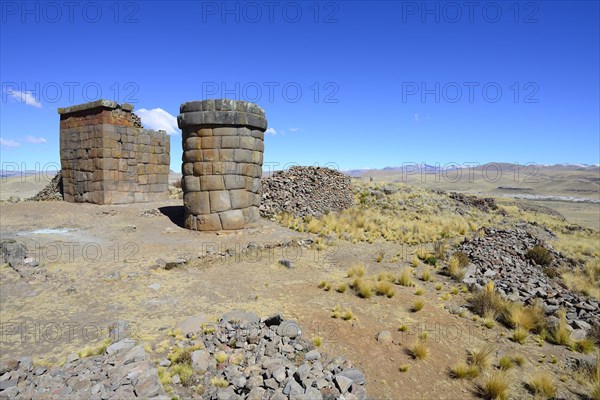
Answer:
(241, 357)
(501, 256)
(86, 265)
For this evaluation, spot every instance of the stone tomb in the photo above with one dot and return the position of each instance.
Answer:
(108, 158)
(223, 144)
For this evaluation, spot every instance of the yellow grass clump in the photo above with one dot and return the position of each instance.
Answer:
(542, 385)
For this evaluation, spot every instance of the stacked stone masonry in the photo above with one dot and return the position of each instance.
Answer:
(107, 158)
(223, 144)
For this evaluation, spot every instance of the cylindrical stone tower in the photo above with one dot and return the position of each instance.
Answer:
(223, 144)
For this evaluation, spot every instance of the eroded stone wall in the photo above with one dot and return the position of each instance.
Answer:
(107, 158)
(223, 144)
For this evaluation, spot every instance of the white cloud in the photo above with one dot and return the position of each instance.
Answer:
(294, 129)
(25, 97)
(416, 117)
(158, 119)
(9, 143)
(35, 140)
(271, 131)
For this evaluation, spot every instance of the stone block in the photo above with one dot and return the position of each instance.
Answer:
(233, 219)
(212, 182)
(225, 131)
(253, 185)
(234, 182)
(196, 202)
(247, 142)
(227, 154)
(230, 142)
(192, 143)
(204, 132)
(191, 184)
(249, 169)
(187, 168)
(190, 222)
(251, 214)
(210, 155)
(201, 168)
(220, 201)
(243, 131)
(211, 142)
(209, 222)
(242, 156)
(257, 157)
(192, 156)
(241, 198)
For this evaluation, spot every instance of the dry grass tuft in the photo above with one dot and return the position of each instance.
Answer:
(481, 357)
(542, 385)
(347, 315)
(99, 349)
(560, 333)
(419, 350)
(463, 370)
(185, 373)
(341, 288)
(380, 255)
(426, 275)
(487, 300)
(519, 360)
(357, 271)
(219, 382)
(363, 288)
(454, 269)
(386, 276)
(384, 288)
(531, 318)
(519, 335)
(221, 357)
(489, 319)
(317, 341)
(404, 367)
(495, 386)
(505, 363)
(418, 306)
(585, 346)
(405, 278)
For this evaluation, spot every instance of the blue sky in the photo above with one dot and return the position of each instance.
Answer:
(348, 84)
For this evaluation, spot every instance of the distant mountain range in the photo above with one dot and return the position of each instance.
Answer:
(428, 168)
(11, 173)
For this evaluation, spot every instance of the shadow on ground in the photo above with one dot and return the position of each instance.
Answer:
(175, 214)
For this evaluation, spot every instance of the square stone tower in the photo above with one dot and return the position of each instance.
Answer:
(108, 158)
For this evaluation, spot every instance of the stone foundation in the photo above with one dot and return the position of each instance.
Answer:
(107, 158)
(223, 144)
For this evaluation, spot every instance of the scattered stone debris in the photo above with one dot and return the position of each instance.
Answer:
(123, 371)
(15, 255)
(305, 191)
(484, 204)
(13, 198)
(169, 264)
(241, 357)
(245, 357)
(53, 190)
(501, 256)
(110, 213)
(153, 212)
